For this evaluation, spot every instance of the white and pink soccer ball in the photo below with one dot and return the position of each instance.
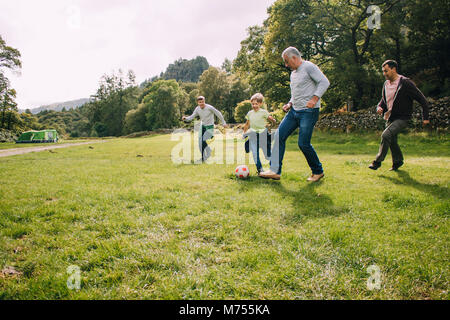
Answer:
(242, 172)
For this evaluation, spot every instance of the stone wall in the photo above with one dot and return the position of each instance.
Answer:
(369, 120)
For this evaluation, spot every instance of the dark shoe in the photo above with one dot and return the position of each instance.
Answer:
(395, 166)
(375, 165)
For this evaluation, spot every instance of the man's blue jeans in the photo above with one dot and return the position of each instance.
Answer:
(305, 120)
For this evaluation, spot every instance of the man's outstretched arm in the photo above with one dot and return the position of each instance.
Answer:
(191, 117)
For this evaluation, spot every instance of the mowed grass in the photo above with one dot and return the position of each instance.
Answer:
(145, 228)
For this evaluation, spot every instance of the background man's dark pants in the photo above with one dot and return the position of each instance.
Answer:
(207, 133)
(389, 141)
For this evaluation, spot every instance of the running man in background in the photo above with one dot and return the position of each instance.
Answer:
(206, 114)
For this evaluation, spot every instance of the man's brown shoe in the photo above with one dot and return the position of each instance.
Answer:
(269, 175)
(315, 177)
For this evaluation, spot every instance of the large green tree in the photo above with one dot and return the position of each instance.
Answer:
(335, 34)
(165, 102)
(223, 91)
(116, 95)
(9, 57)
(239, 91)
(9, 60)
(191, 88)
(349, 40)
(251, 65)
(136, 119)
(426, 27)
(214, 85)
(8, 106)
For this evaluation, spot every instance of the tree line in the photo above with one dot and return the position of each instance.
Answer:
(121, 107)
(348, 39)
(345, 39)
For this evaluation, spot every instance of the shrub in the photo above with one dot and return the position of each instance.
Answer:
(241, 110)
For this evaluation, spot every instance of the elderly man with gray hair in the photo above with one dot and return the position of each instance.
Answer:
(308, 84)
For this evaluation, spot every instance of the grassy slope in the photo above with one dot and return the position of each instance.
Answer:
(146, 228)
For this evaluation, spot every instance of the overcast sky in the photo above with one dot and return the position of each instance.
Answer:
(68, 45)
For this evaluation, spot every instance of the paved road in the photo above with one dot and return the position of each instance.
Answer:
(13, 152)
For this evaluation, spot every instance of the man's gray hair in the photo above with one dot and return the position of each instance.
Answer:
(290, 52)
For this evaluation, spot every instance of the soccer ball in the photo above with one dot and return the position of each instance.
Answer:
(242, 172)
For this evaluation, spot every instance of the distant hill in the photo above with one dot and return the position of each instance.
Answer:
(58, 106)
(182, 70)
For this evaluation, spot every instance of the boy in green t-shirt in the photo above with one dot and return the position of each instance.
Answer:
(259, 136)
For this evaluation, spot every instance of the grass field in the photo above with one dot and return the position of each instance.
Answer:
(145, 228)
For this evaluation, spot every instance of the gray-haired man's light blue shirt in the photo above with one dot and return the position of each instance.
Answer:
(307, 81)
